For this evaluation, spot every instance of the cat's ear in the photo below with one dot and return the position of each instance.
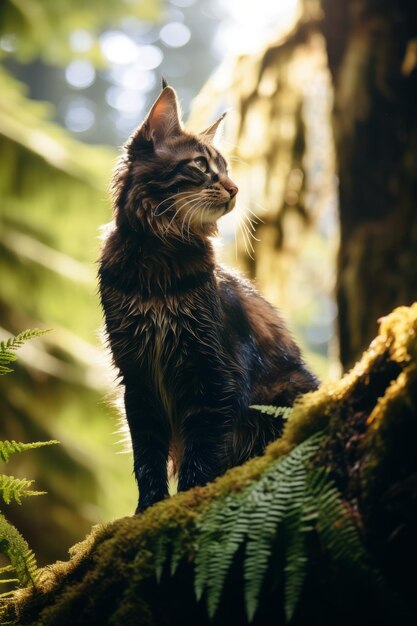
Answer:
(164, 118)
(211, 131)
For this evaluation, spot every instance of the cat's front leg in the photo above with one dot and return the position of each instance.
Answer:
(150, 443)
(207, 444)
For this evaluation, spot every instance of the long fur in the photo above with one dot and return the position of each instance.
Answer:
(195, 343)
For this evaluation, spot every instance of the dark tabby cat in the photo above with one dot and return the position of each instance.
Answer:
(194, 343)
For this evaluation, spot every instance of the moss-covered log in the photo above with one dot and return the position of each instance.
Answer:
(328, 514)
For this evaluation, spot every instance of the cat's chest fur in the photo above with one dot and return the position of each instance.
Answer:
(157, 334)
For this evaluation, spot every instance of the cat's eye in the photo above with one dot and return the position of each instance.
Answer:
(201, 164)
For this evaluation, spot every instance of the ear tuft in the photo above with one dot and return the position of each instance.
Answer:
(164, 83)
(164, 119)
(212, 130)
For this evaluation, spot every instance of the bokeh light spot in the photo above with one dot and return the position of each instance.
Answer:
(80, 115)
(117, 47)
(149, 57)
(182, 3)
(80, 74)
(125, 100)
(133, 77)
(8, 43)
(175, 34)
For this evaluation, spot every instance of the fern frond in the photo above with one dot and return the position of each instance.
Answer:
(177, 551)
(13, 343)
(282, 504)
(252, 516)
(339, 534)
(11, 447)
(300, 520)
(275, 411)
(160, 548)
(16, 549)
(12, 488)
(9, 346)
(221, 533)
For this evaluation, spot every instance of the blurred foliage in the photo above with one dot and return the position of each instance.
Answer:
(42, 28)
(54, 195)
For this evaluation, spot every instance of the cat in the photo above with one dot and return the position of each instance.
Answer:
(194, 343)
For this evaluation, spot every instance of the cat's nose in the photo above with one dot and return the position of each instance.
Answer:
(230, 186)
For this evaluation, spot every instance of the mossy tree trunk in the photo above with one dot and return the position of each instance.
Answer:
(322, 526)
(372, 52)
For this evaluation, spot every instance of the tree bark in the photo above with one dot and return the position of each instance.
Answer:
(372, 52)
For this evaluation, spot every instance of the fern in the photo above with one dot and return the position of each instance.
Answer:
(253, 516)
(168, 549)
(339, 534)
(12, 544)
(275, 411)
(11, 447)
(221, 534)
(160, 551)
(18, 552)
(284, 505)
(290, 500)
(9, 346)
(177, 550)
(299, 521)
(12, 488)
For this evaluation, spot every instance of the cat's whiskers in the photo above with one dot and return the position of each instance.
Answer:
(262, 208)
(174, 197)
(176, 213)
(246, 233)
(235, 235)
(200, 207)
(190, 198)
(245, 240)
(249, 231)
(247, 210)
(192, 211)
(238, 160)
(206, 207)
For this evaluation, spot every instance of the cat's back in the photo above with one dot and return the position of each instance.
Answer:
(259, 334)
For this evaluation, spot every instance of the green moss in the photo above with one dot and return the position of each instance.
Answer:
(108, 577)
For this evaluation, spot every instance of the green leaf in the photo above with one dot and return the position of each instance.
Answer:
(14, 343)
(12, 488)
(12, 447)
(253, 517)
(160, 554)
(275, 411)
(16, 549)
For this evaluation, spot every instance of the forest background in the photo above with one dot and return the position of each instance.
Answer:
(336, 246)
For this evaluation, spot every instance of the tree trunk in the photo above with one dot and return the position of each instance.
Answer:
(345, 555)
(372, 51)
